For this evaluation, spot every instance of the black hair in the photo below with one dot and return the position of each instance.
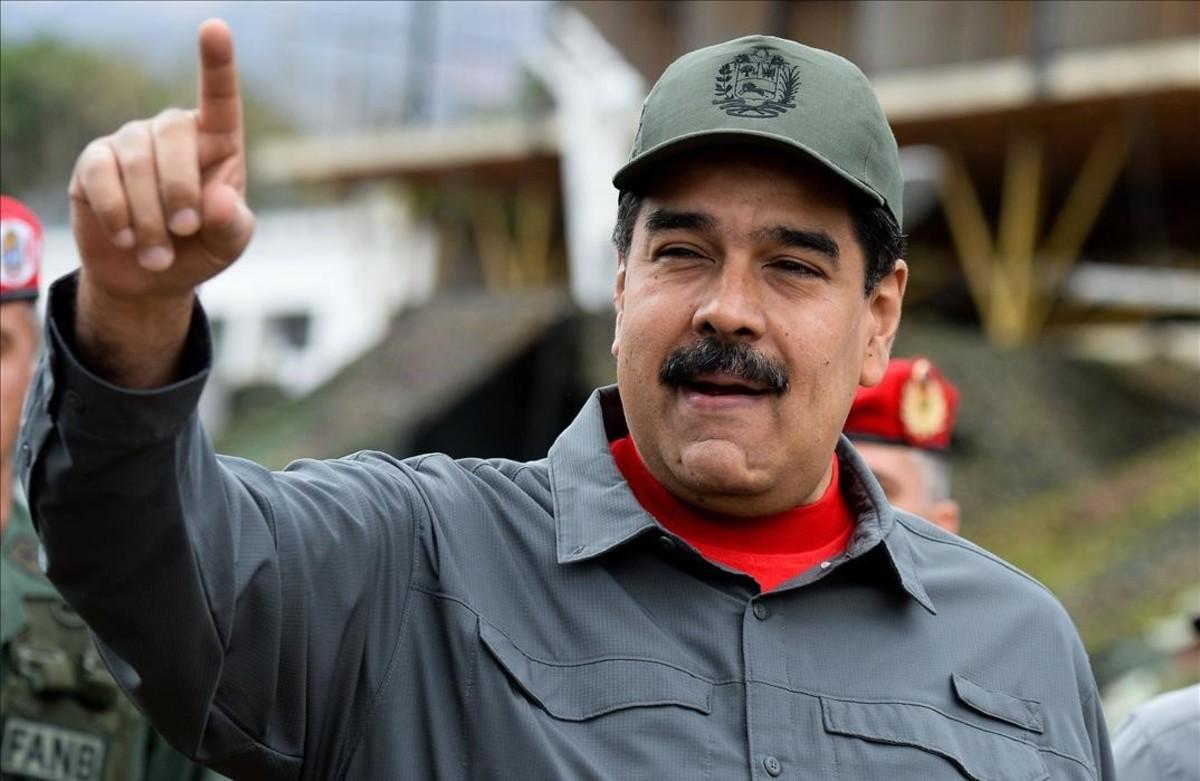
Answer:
(878, 234)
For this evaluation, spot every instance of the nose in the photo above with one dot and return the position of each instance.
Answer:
(731, 308)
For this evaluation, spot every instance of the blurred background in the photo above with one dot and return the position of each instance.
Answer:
(433, 271)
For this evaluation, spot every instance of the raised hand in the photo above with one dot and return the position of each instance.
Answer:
(157, 208)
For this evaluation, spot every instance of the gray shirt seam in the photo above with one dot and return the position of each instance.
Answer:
(353, 744)
(972, 549)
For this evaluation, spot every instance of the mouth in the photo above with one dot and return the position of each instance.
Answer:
(721, 385)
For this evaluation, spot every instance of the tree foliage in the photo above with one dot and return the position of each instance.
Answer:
(54, 98)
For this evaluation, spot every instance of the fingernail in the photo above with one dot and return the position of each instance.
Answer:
(185, 222)
(124, 238)
(155, 258)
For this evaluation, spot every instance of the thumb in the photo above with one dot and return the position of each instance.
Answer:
(228, 222)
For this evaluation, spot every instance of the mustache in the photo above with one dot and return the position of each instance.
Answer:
(710, 355)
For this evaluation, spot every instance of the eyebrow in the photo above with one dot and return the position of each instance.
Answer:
(661, 220)
(816, 240)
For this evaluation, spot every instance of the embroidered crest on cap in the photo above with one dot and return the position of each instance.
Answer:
(18, 252)
(759, 85)
(923, 404)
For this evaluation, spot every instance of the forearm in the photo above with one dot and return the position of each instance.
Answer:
(197, 572)
(134, 343)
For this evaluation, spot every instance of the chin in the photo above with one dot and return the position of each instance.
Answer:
(717, 466)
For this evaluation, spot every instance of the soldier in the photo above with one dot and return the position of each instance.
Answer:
(701, 580)
(901, 427)
(64, 717)
(1160, 741)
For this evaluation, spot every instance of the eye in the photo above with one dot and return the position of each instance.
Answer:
(796, 267)
(677, 251)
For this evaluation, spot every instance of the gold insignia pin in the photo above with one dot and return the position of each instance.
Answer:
(923, 406)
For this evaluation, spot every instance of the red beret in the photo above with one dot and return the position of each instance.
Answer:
(914, 405)
(20, 250)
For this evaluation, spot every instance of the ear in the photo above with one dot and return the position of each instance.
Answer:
(945, 513)
(619, 302)
(883, 320)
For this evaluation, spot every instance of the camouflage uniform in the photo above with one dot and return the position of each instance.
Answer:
(63, 716)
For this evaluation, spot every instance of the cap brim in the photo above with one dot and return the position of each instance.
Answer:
(631, 173)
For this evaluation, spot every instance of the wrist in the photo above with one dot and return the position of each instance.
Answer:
(131, 341)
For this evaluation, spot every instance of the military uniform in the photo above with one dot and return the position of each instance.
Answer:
(63, 715)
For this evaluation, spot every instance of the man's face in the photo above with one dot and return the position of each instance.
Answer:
(18, 344)
(738, 247)
(902, 473)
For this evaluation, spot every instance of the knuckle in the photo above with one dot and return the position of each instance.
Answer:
(137, 131)
(92, 160)
(173, 120)
(135, 158)
(96, 151)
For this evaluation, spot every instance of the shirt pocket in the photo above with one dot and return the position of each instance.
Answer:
(914, 740)
(578, 691)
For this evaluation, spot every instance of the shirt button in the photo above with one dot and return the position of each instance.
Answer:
(761, 611)
(774, 766)
(26, 455)
(73, 400)
(666, 544)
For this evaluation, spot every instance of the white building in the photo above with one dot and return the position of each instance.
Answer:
(314, 290)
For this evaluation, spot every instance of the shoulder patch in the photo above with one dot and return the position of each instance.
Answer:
(24, 553)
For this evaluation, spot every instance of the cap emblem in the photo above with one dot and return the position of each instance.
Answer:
(923, 406)
(18, 253)
(759, 85)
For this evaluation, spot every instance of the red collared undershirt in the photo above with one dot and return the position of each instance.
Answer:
(771, 549)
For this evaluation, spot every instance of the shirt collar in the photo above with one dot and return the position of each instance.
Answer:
(595, 511)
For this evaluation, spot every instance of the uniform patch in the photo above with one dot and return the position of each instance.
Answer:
(24, 553)
(20, 248)
(759, 85)
(48, 752)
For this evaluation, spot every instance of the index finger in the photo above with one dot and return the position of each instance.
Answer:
(220, 99)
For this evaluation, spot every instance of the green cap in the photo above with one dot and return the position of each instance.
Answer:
(776, 93)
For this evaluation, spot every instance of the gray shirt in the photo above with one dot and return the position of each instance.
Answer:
(1160, 741)
(378, 618)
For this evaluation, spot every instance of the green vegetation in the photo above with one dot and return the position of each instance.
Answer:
(54, 98)
(1117, 547)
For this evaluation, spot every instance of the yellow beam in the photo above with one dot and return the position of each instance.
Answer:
(1018, 233)
(1092, 187)
(493, 240)
(969, 230)
(534, 232)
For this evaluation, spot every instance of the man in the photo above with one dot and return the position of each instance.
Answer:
(901, 428)
(700, 580)
(62, 713)
(1160, 741)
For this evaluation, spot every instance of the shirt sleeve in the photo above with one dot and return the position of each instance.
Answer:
(1098, 732)
(1134, 754)
(251, 614)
